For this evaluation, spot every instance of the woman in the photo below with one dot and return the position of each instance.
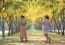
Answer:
(46, 28)
(23, 34)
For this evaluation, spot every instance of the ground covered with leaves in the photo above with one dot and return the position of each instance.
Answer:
(35, 37)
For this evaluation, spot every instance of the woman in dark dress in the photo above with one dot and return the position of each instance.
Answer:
(23, 34)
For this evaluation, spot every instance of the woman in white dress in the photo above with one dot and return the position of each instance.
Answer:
(46, 28)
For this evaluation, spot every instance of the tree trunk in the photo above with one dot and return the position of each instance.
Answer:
(63, 31)
(58, 31)
(3, 31)
(54, 28)
(17, 25)
(12, 31)
(9, 31)
(63, 20)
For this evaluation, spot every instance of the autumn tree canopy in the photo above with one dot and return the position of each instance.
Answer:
(31, 9)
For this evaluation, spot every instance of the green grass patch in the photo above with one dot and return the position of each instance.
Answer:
(34, 37)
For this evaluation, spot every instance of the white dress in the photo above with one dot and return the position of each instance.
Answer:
(45, 26)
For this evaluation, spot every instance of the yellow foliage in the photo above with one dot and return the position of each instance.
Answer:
(33, 12)
(3, 14)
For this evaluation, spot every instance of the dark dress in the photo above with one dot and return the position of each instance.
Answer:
(22, 30)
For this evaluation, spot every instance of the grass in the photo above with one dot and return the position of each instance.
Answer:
(35, 37)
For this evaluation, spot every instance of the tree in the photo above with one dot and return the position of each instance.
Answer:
(3, 31)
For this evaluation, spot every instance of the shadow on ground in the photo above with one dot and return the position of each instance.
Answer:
(16, 41)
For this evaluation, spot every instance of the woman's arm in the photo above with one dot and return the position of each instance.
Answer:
(42, 22)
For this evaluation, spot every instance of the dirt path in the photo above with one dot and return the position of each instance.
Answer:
(33, 41)
(34, 38)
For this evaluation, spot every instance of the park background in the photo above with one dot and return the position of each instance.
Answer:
(34, 11)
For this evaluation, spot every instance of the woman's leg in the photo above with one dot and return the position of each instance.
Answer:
(48, 38)
(21, 39)
(26, 38)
